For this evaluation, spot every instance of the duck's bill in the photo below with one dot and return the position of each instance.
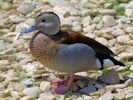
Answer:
(28, 30)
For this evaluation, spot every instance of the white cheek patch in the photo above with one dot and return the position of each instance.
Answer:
(47, 25)
(107, 63)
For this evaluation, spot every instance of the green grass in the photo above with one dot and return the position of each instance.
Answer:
(119, 10)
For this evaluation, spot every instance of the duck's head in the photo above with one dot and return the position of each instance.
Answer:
(46, 22)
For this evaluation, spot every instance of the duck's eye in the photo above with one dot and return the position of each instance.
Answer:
(43, 20)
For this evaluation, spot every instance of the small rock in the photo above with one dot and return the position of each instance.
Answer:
(107, 95)
(26, 8)
(4, 63)
(102, 41)
(75, 88)
(98, 86)
(129, 95)
(14, 94)
(129, 29)
(46, 96)
(130, 42)
(111, 77)
(107, 12)
(26, 98)
(45, 86)
(108, 20)
(20, 86)
(130, 5)
(32, 91)
(118, 32)
(81, 84)
(129, 12)
(120, 86)
(120, 95)
(82, 73)
(86, 21)
(123, 39)
(87, 90)
(131, 68)
(16, 19)
(2, 46)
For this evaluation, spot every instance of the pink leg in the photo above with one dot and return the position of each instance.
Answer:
(61, 87)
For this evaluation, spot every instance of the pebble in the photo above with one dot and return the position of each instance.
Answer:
(111, 77)
(107, 12)
(118, 32)
(123, 39)
(129, 95)
(129, 29)
(86, 21)
(81, 84)
(129, 12)
(120, 95)
(45, 86)
(32, 91)
(108, 20)
(26, 8)
(98, 86)
(102, 41)
(2, 46)
(131, 68)
(26, 98)
(46, 96)
(107, 95)
(87, 90)
(4, 63)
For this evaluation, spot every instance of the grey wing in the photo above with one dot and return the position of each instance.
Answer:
(76, 57)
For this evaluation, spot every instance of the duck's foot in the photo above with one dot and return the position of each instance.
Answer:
(62, 87)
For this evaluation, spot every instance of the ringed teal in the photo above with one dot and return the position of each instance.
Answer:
(66, 51)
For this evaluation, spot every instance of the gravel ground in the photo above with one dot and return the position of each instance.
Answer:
(110, 22)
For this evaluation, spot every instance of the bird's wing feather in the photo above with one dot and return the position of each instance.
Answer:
(74, 37)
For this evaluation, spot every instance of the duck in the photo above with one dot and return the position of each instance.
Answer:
(65, 50)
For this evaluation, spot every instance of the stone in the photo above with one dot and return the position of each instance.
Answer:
(118, 32)
(45, 86)
(102, 40)
(107, 95)
(2, 46)
(130, 5)
(26, 8)
(82, 73)
(32, 91)
(87, 90)
(130, 42)
(4, 63)
(16, 19)
(131, 68)
(129, 12)
(107, 12)
(123, 39)
(14, 94)
(120, 95)
(75, 88)
(81, 84)
(120, 86)
(129, 95)
(26, 98)
(46, 96)
(98, 86)
(112, 42)
(106, 33)
(129, 29)
(111, 77)
(108, 20)
(86, 21)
